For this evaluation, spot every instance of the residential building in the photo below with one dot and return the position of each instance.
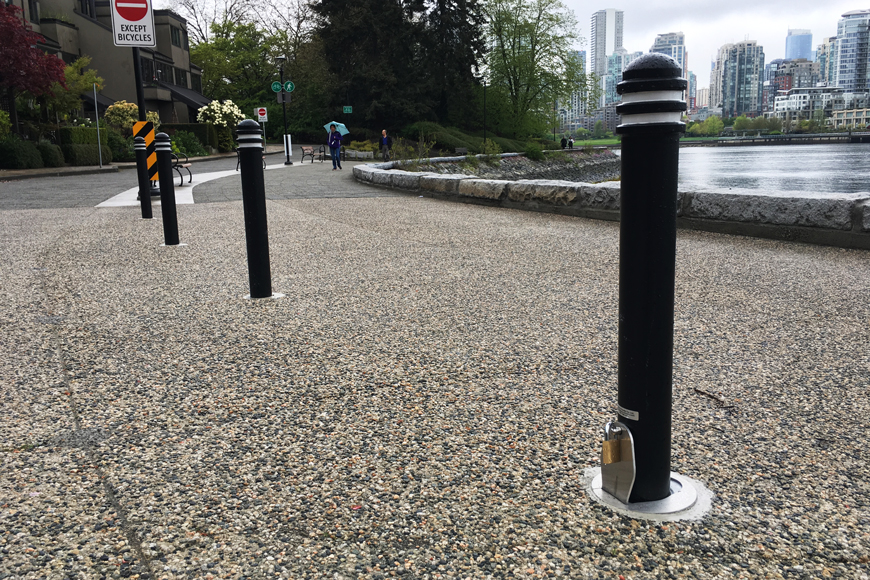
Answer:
(616, 63)
(673, 44)
(806, 102)
(702, 98)
(606, 37)
(799, 44)
(737, 79)
(75, 28)
(826, 59)
(850, 118)
(574, 107)
(692, 92)
(853, 36)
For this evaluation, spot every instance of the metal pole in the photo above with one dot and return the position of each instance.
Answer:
(284, 107)
(484, 115)
(142, 173)
(140, 92)
(651, 126)
(254, 202)
(97, 117)
(167, 189)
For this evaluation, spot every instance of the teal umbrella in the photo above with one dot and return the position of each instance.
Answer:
(338, 127)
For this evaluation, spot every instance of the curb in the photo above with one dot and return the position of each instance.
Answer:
(842, 221)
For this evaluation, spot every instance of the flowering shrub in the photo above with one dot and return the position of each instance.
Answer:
(225, 114)
(123, 115)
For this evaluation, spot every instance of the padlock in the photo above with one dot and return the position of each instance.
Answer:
(611, 452)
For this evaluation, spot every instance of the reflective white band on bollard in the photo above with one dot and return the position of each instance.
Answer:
(645, 118)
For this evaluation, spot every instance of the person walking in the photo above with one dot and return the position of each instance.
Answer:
(335, 147)
(564, 142)
(386, 143)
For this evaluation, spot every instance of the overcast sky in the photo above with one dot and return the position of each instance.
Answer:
(708, 25)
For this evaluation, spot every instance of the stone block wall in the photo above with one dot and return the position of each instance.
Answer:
(842, 221)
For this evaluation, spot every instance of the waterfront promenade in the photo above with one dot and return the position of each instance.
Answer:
(423, 403)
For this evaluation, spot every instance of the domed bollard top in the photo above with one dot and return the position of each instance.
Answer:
(250, 134)
(652, 95)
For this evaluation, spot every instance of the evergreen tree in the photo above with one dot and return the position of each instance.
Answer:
(373, 50)
(454, 49)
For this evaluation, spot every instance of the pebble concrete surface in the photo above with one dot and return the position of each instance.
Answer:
(423, 403)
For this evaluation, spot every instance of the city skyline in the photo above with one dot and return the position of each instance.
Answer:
(709, 25)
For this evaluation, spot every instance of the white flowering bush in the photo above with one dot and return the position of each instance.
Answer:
(225, 114)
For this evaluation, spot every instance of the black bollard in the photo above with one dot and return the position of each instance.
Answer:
(651, 110)
(167, 189)
(142, 173)
(254, 201)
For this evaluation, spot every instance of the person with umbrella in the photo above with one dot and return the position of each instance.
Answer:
(334, 143)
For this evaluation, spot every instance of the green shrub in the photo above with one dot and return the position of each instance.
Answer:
(224, 139)
(206, 133)
(363, 146)
(5, 124)
(508, 145)
(82, 136)
(122, 147)
(85, 154)
(18, 154)
(188, 144)
(533, 151)
(51, 155)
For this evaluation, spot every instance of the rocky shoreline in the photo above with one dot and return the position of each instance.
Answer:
(578, 165)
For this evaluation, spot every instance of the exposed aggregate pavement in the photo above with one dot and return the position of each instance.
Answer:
(423, 402)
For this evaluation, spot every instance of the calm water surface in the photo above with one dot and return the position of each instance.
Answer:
(819, 170)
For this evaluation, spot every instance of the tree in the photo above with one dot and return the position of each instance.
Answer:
(23, 67)
(454, 47)
(531, 57)
(598, 130)
(68, 98)
(713, 126)
(742, 123)
(201, 15)
(373, 51)
(237, 64)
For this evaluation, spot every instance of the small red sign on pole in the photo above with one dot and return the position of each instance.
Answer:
(133, 23)
(261, 115)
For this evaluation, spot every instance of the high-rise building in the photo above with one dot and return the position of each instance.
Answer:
(691, 93)
(574, 107)
(826, 58)
(606, 37)
(702, 98)
(737, 79)
(616, 63)
(853, 35)
(799, 44)
(673, 44)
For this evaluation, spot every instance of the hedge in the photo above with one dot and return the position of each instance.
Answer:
(52, 156)
(18, 154)
(82, 136)
(85, 154)
(206, 133)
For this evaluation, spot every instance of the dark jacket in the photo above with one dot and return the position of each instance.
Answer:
(564, 142)
(388, 139)
(334, 140)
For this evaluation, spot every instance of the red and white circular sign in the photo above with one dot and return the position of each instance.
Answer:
(132, 10)
(261, 111)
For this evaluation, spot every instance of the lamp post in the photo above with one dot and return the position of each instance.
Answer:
(280, 60)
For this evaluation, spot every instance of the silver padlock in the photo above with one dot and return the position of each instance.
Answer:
(617, 461)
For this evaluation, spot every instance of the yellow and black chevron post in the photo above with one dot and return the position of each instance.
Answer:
(145, 129)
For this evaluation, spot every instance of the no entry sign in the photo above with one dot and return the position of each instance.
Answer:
(261, 114)
(133, 23)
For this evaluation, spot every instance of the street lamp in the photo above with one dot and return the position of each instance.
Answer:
(280, 60)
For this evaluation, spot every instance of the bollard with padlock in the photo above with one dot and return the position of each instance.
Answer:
(636, 451)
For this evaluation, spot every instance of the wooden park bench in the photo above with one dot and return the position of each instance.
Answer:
(178, 165)
(462, 150)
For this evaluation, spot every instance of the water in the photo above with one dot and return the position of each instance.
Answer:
(807, 170)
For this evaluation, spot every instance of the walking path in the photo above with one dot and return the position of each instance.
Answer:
(425, 402)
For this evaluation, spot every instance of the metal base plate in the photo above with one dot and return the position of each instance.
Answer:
(172, 246)
(274, 296)
(689, 500)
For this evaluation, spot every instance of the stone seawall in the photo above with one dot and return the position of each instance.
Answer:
(842, 221)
